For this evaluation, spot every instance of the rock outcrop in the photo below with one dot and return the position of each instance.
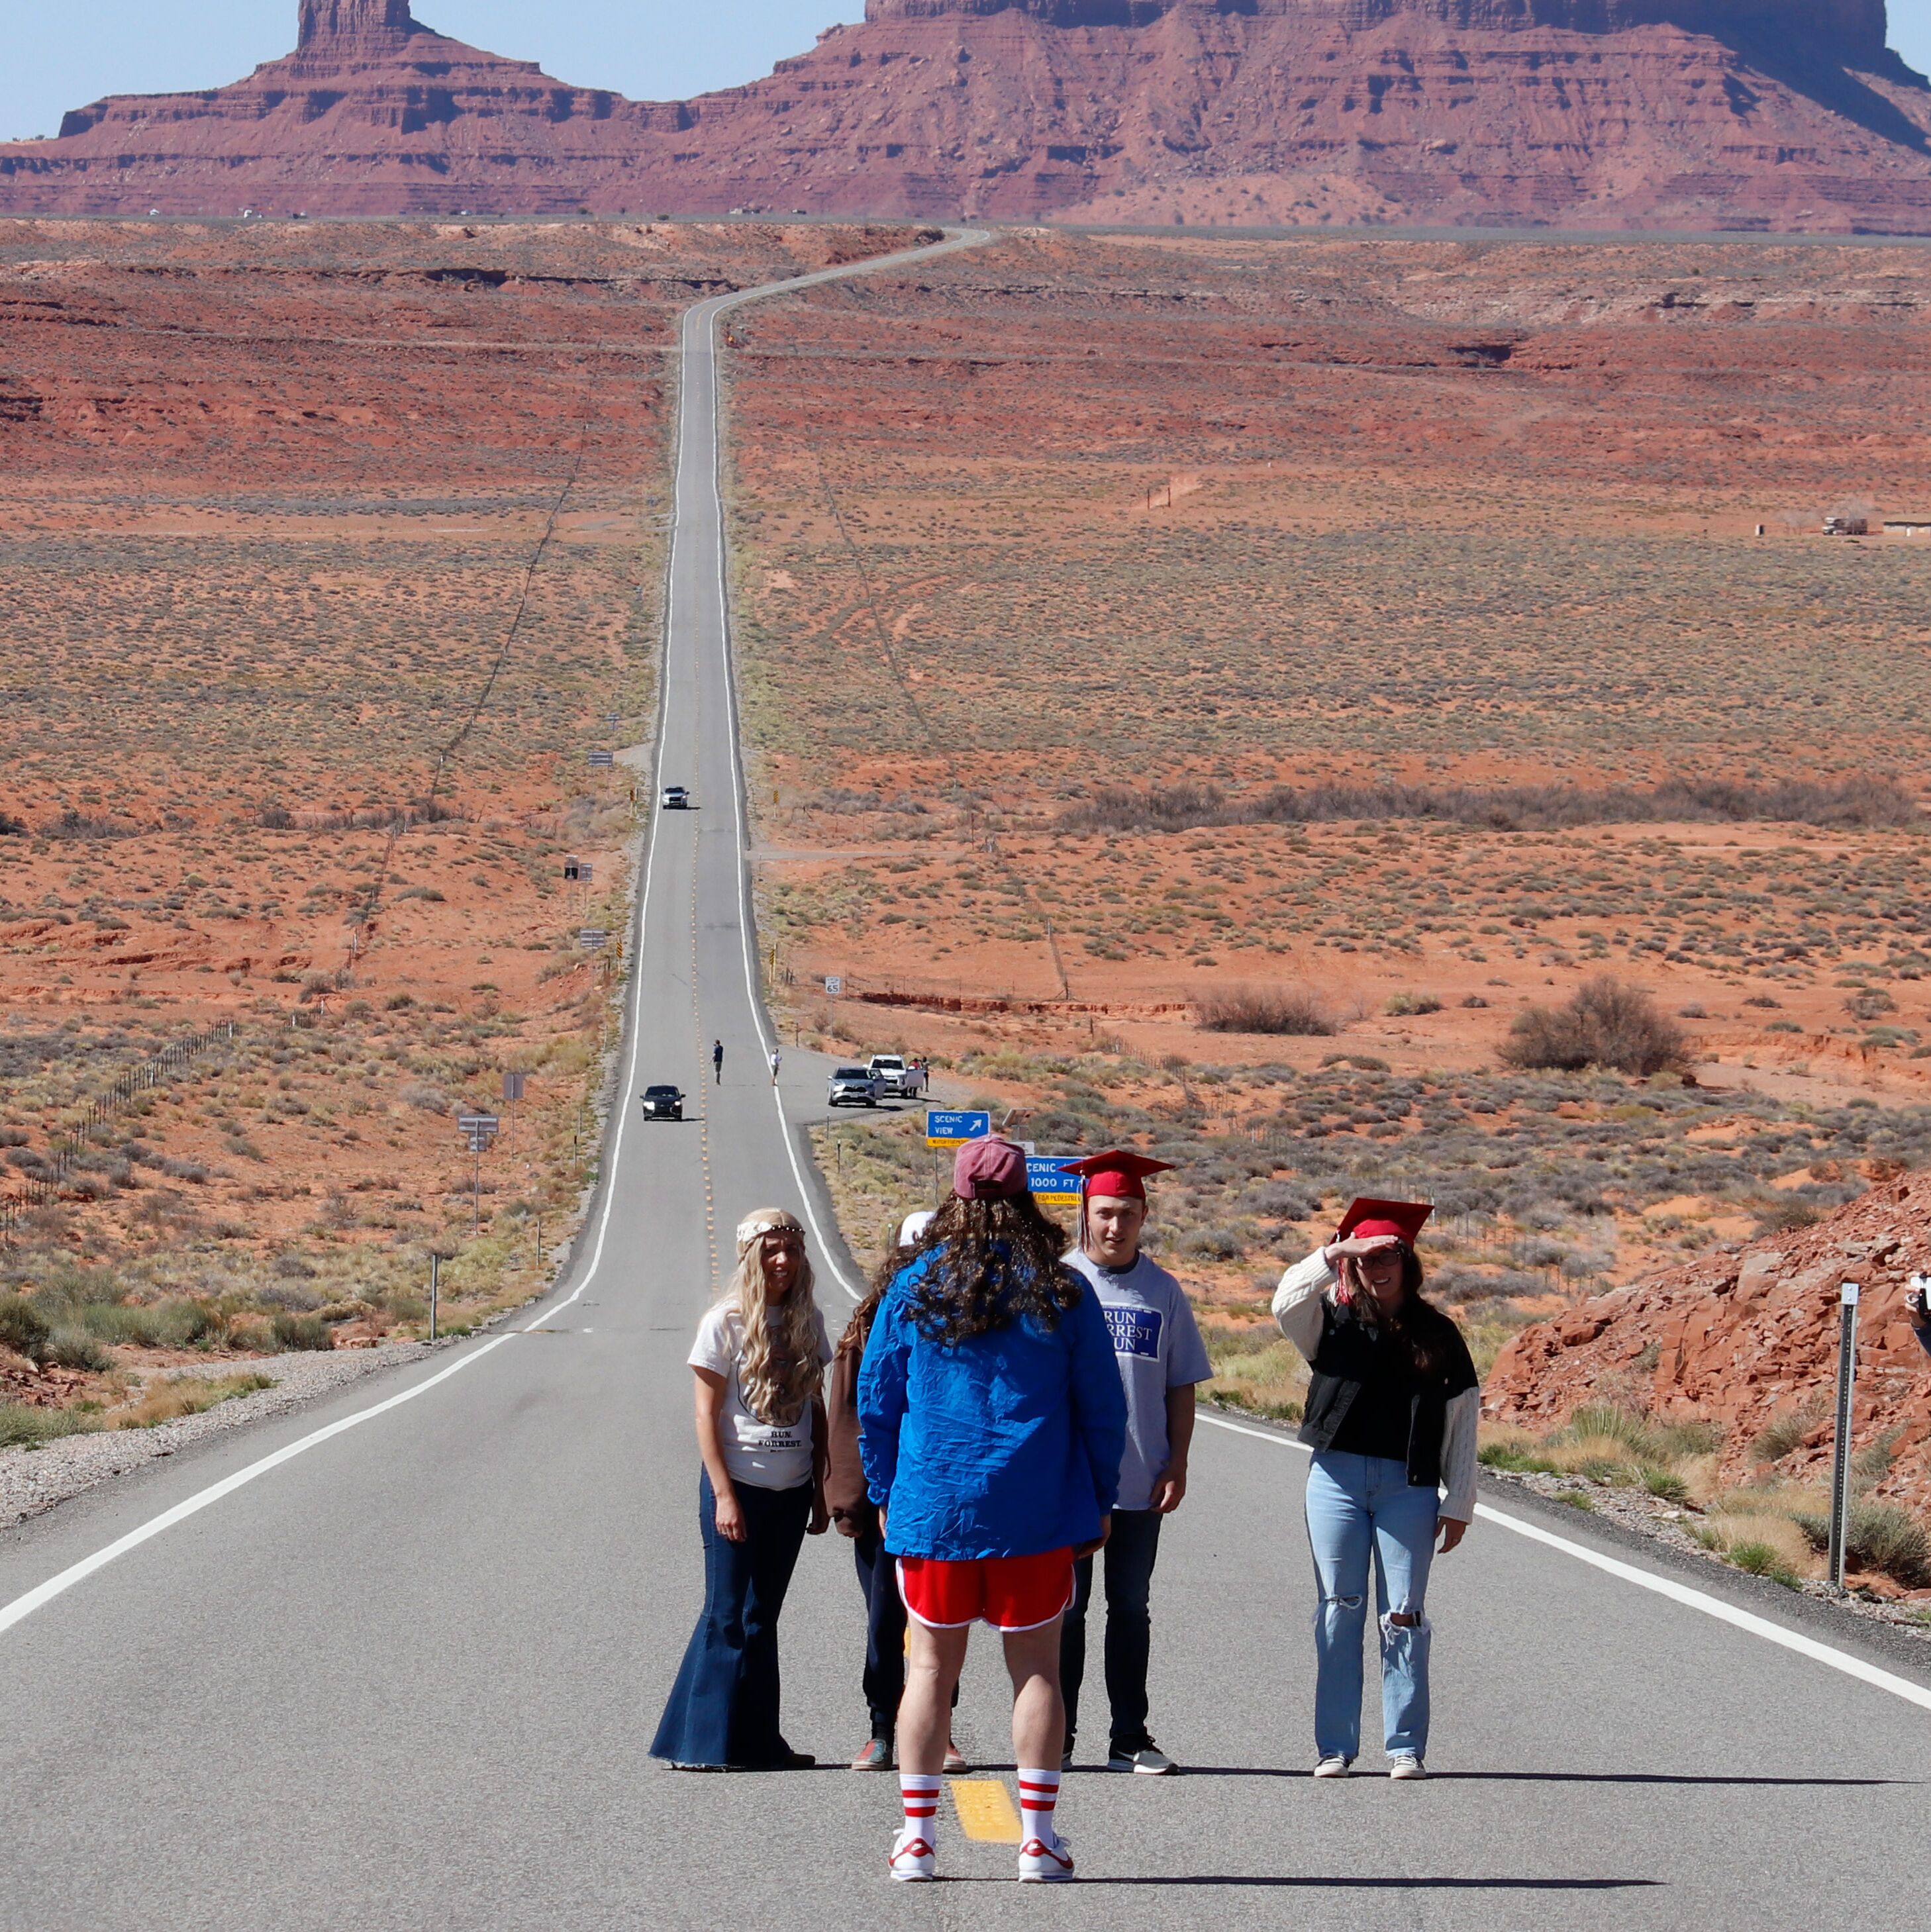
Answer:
(1744, 1337)
(1744, 114)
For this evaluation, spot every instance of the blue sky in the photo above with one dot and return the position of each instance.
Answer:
(64, 56)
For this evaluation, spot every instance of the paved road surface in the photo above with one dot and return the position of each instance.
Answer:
(405, 1678)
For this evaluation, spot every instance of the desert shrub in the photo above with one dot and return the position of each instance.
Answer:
(23, 1328)
(1221, 1244)
(1279, 1009)
(75, 1349)
(1761, 1559)
(1401, 1005)
(1665, 1485)
(23, 1425)
(1782, 1433)
(292, 1330)
(1604, 1024)
(420, 1093)
(1879, 1536)
(187, 1395)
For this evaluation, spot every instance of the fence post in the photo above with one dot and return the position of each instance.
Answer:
(1840, 1474)
(435, 1284)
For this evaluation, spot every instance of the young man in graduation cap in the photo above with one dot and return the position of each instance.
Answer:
(1160, 1357)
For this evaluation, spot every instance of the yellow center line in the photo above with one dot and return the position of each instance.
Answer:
(986, 1809)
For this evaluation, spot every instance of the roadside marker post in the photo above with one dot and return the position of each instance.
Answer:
(1840, 1473)
(435, 1288)
(479, 1130)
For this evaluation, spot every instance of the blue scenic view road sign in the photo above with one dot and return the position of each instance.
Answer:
(944, 1130)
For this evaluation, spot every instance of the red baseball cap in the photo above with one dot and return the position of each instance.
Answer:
(1119, 1173)
(1401, 1219)
(989, 1170)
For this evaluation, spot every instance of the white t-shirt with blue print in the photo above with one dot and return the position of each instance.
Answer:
(1158, 1346)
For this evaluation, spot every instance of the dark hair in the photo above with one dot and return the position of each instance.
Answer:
(1417, 1322)
(991, 1262)
(858, 1329)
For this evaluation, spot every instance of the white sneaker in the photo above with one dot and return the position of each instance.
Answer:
(1149, 1760)
(1336, 1766)
(1043, 1864)
(913, 1857)
(1406, 1766)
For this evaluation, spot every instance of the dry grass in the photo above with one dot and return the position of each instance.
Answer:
(184, 1395)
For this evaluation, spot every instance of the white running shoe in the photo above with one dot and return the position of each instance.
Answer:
(1407, 1766)
(913, 1857)
(1148, 1759)
(1334, 1766)
(1043, 1864)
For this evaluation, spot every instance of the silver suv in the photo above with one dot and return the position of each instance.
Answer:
(854, 1086)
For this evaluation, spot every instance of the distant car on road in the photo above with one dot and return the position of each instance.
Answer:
(854, 1086)
(675, 798)
(662, 1103)
(897, 1080)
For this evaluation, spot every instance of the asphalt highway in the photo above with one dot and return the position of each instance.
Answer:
(405, 1676)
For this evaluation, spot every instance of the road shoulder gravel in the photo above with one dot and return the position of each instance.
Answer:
(34, 1480)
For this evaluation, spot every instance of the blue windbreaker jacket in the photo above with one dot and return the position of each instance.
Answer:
(1007, 1445)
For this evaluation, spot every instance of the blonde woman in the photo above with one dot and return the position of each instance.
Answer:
(759, 1358)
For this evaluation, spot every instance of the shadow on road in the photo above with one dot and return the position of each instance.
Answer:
(1357, 1883)
(1548, 1777)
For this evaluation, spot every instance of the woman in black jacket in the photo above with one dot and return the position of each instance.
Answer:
(1393, 1403)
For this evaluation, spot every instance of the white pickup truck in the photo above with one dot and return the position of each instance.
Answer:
(897, 1080)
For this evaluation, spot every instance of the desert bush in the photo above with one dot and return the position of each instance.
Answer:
(1282, 1009)
(1783, 1432)
(292, 1330)
(186, 1395)
(23, 1328)
(75, 1349)
(1879, 1536)
(1604, 1024)
(24, 1426)
(1401, 1005)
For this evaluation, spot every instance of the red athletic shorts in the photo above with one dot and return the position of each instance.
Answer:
(1010, 1593)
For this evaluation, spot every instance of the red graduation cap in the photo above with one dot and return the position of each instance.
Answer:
(1119, 1173)
(1401, 1219)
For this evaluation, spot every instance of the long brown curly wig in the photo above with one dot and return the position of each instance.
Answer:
(991, 1262)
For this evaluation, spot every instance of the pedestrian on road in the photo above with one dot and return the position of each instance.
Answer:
(991, 1426)
(854, 1514)
(1391, 1413)
(777, 1059)
(717, 1062)
(759, 1358)
(1157, 1347)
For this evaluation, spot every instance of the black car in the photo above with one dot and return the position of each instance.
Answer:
(663, 1103)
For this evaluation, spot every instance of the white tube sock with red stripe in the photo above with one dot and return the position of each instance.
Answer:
(919, 1793)
(1038, 1793)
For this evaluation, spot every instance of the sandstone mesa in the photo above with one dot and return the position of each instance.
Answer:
(1780, 115)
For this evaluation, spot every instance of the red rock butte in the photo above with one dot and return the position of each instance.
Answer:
(1780, 115)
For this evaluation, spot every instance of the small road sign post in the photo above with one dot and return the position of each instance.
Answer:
(603, 757)
(945, 1129)
(834, 984)
(435, 1290)
(593, 938)
(512, 1084)
(1840, 1473)
(479, 1130)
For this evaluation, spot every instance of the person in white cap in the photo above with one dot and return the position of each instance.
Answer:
(854, 1514)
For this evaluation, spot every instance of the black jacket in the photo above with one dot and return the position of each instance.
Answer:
(1351, 1354)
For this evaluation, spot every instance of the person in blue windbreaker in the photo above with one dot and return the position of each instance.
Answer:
(992, 1424)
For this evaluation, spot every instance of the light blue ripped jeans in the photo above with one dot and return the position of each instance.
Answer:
(1360, 1505)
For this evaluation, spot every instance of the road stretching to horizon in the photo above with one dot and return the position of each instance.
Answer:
(406, 1674)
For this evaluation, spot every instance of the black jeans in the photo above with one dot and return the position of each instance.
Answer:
(884, 1678)
(723, 1709)
(1129, 1555)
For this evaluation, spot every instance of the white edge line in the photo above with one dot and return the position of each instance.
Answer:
(1685, 1594)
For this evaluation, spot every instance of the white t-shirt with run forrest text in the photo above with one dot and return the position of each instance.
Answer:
(767, 1455)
